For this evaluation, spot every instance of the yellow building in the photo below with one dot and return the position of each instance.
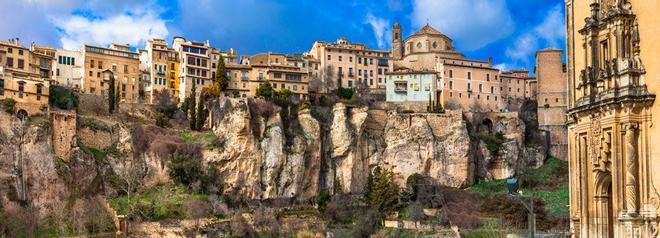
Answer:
(124, 65)
(273, 68)
(162, 64)
(613, 75)
(25, 74)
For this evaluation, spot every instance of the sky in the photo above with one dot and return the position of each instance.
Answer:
(508, 30)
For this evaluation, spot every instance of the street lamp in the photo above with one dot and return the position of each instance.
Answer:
(512, 184)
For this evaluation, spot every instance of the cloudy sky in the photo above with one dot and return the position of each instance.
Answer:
(508, 30)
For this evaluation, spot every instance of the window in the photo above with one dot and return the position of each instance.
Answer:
(10, 62)
(359, 60)
(380, 71)
(480, 88)
(350, 59)
(340, 58)
(419, 44)
(556, 99)
(469, 75)
(114, 67)
(10, 50)
(350, 83)
(451, 73)
(277, 75)
(125, 68)
(371, 82)
(21, 88)
(101, 65)
(451, 85)
(371, 61)
(57, 72)
(91, 63)
(435, 45)
(492, 89)
(295, 87)
(98, 74)
(20, 52)
(39, 92)
(359, 72)
(90, 73)
(487, 77)
(2, 87)
(350, 72)
(21, 63)
(329, 57)
(469, 87)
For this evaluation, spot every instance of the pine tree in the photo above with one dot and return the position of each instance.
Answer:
(193, 106)
(111, 95)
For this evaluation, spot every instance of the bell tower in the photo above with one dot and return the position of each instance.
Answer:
(397, 44)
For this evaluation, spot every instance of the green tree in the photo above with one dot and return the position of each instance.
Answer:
(201, 114)
(193, 106)
(284, 93)
(382, 192)
(265, 90)
(111, 95)
(221, 75)
(185, 169)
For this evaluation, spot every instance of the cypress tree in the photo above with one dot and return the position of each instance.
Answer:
(221, 75)
(193, 106)
(111, 95)
(201, 115)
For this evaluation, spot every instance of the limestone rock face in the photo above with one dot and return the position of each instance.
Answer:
(257, 162)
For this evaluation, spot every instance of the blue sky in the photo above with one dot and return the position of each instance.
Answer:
(508, 30)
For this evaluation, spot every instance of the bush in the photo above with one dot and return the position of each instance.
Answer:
(367, 223)
(62, 97)
(493, 142)
(185, 168)
(265, 90)
(513, 213)
(338, 210)
(322, 199)
(345, 93)
(10, 105)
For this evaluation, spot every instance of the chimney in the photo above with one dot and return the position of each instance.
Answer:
(490, 61)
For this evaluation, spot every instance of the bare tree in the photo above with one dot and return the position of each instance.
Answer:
(131, 173)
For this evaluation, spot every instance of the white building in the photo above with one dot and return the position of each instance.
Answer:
(68, 68)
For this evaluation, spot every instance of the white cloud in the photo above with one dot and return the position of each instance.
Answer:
(471, 23)
(501, 67)
(381, 28)
(549, 33)
(132, 28)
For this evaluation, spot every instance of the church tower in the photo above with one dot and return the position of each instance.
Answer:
(397, 44)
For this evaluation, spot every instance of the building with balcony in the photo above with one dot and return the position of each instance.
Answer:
(413, 86)
(25, 75)
(195, 66)
(345, 64)
(163, 66)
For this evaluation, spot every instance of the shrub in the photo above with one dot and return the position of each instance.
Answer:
(322, 199)
(265, 90)
(493, 142)
(10, 105)
(345, 93)
(339, 210)
(367, 223)
(62, 97)
(185, 167)
(513, 213)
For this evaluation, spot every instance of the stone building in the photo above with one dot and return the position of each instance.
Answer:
(517, 85)
(271, 68)
(413, 86)
(612, 72)
(68, 68)
(25, 74)
(551, 98)
(467, 84)
(345, 64)
(121, 61)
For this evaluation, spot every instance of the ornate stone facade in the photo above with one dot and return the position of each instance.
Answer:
(610, 124)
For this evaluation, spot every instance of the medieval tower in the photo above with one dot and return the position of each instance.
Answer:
(397, 44)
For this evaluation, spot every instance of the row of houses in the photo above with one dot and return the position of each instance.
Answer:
(425, 66)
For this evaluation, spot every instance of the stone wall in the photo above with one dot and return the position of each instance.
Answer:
(96, 133)
(64, 133)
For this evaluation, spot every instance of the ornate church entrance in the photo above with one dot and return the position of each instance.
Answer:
(604, 217)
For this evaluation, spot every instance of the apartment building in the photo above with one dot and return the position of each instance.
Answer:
(346, 64)
(118, 59)
(68, 69)
(25, 74)
(162, 65)
(272, 68)
(195, 65)
(517, 85)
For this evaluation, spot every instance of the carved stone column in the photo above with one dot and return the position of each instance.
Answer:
(631, 168)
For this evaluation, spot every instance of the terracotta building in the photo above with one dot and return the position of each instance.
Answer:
(346, 64)
(121, 61)
(612, 71)
(467, 84)
(25, 75)
(517, 85)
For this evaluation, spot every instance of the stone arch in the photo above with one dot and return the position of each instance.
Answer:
(22, 114)
(603, 205)
(486, 125)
